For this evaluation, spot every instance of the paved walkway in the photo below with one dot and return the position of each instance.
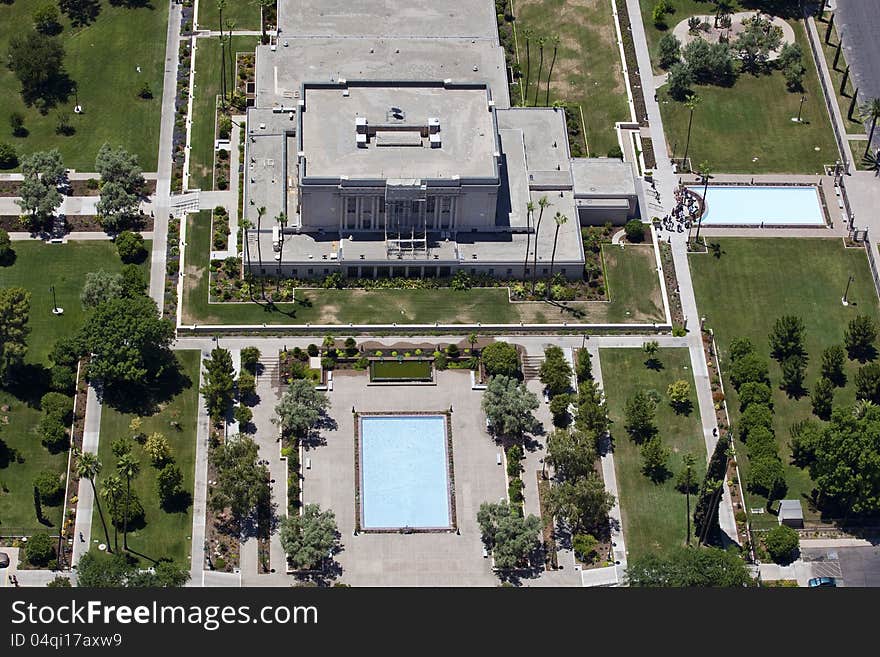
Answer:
(200, 489)
(162, 198)
(85, 496)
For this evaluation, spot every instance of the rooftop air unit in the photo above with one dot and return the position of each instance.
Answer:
(435, 140)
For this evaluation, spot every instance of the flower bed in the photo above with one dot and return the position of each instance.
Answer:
(219, 228)
(172, 269)
(632, 64)
(222, 541)
(671, 281)
(181, 109)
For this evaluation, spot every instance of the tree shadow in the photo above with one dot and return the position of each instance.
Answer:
(145, 399)
(179, 503)
(683, 408)
(54, 91)
(863, 355)
(84, 13)
(658, 475)
(29, 382)
(654, 364)
(716, 250)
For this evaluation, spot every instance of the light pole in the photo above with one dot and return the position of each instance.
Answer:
(55, 309)
(849, 281)
(797, 119)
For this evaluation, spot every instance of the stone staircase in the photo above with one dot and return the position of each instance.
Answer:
(271, 370)
(531, 366)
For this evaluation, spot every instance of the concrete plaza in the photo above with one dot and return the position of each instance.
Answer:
(419, 559)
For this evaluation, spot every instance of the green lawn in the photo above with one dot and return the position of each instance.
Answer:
(631, 275)
(37, 267)
(857, 152)
(165, 534)
(588, 70)
(245, 13)
(102, 59)
(207, 87)
(742, 294)
(654, 514)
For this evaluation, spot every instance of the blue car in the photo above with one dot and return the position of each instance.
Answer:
(821, 581)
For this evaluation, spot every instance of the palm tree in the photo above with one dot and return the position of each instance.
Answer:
(129, 467)
(527, 34)
(704, 170)
(555, 40)
(221, 5)
(691, 103)
(88, 466)
(230, 26)
(871, 112)
(264, 4)
(688, 480)
(542, 203)
(560, 220)
(260, 212)
(113, 493)
(541, 41)
(530, 210)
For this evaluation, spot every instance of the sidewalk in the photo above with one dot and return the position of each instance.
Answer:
(85, 496)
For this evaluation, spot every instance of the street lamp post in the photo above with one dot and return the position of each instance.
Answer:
(849, 281)
(55, 309)
(798, 119)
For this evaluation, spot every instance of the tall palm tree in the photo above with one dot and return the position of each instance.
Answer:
(129, 467)
(230, 26)
(688, 480)
(542, 203)
(527, 35)
(691, 103)
(221, 5)
(705, 171)
(560, 220)
(114, 493)
(555, 40)
(530, 210)
(541, 41)
(264, 5)
(871, 112)
(222, 73)
(260, 212)
(88, 466)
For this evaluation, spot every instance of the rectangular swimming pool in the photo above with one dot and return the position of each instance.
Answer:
(753, 206)
(404, 471)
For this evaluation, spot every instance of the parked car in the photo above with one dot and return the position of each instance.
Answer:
(821, 581)
(4, 560)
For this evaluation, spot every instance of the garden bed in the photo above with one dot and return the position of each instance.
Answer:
(172, 269)
(401, 370)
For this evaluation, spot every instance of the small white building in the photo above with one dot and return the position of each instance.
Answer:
(791, 513)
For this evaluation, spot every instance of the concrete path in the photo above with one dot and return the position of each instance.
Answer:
(200, 490)
(162, 198)
(76, 236)
(85, 496)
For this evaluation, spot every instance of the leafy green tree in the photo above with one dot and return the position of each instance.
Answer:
(501, 358)
(651, 361)
(635, 231)
(42, 173)
(689, 567)
(122, 184)
(247, 384)
(511, 537)
(859, 338)
(787, 338)
(867, 382)
(47, 20)
(790, 62)
(782, 542)
(37, 60)
(750, 368)
(7, 253)
(846, 464)
(242, 483)
(740, 347)
(98, 570)
(57, 406)
(639, 412)
(8, 156)
(686, 480)
(80, 12)
(158, 449)
(40, 549)
(218, 385)
(309, 538)
(754, 393)
(679, 80)
(679, 393)
(755, 415)
(49, 487)
(710, 63)
(822, 398)
(129, 342)
(767, 477)
(59, 582)
(169, 484)
(572, 454)
(833, 361)
(555, 371)
(130, 247)
(706, 526)
(559, 410)
(585, 547)
(668, 50)
(592, 414)
(250, 359)
(53, 434)
(15, 305)
(583, 366)
(509, 406)
(754, 43)
(165, 574)
(805, 435)
(133, 282)
(793, 373)
(655, 460)
(583, 503)
(100, 286)
(301, 408)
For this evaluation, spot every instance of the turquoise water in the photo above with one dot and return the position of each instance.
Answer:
(404, 473)
(790, 206)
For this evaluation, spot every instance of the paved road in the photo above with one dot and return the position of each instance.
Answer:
(858, 23)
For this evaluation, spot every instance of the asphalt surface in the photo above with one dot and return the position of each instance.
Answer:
(858, 23)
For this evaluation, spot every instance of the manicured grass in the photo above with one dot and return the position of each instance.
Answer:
(165, 534)
(741, 294)
(102, 59)
(391, 370)
(588, 70)
(631, 275)
(857, 151)
(207, 87)
(37, 267)
(654, 514)
(245, 13)
(853, 126)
